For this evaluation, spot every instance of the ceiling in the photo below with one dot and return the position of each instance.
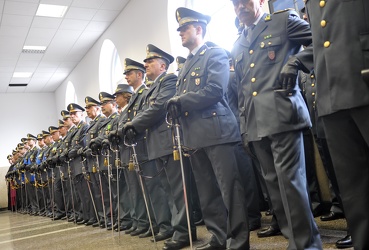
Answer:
(67, 39)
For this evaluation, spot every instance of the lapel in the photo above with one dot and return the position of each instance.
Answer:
(155, 84)
(258, 29)
(134, 97)
(188, 64)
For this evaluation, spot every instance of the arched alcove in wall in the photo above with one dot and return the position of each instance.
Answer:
(110, 67)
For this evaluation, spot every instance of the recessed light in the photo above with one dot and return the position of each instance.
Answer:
(50, 10)
(34, 49)
(22, 74)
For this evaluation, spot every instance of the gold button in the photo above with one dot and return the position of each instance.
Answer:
(184, 80)
(252, 65)
(262, 45)
(129, 111)
(322, 4)
(312, 76)
(168, 126)
(313, 94)
(253, 79)
(327, 44)
(254, 93)
(323, 23)
(186, 113)
(312, 85)
(184, 91)
(128, 119)
(251, 52)
(214, 113)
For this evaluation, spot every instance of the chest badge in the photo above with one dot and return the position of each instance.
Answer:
(197, 81)
(271, 55)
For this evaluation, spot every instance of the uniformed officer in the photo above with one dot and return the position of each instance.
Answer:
(340, 35)
(109, 109)
(134, 74)
(180, 62)
(210, 130)
(273, 118)
(77, 141)
(93, 110)
(159, 143)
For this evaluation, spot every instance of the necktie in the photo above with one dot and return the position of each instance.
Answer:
(249, 32)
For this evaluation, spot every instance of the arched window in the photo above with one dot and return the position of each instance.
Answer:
(110, 67)
(70, 94)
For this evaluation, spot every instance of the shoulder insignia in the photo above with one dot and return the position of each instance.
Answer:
(114, 116)
(267, 18)
(281, 11)
(202, 52)
(141, 90)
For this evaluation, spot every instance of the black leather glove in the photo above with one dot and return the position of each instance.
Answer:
(105, 144)
(72, 153)
(173, 105)
(95, 147)
(289, 73)
(80, 152)
(129, 132)
(113, 137)
(63, 156)
(87, 152)
(55, 159)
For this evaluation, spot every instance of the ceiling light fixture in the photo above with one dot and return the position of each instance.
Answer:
(34, 49)
(22, 74)
(50, 10)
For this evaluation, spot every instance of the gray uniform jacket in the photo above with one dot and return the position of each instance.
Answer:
(77, 143)
(340, 85)
(152, 118)
(267, 110)
(206, 119)
(133, 108)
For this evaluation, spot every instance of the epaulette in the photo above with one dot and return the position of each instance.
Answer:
(167, 75)
(141, 90)
(203, 51)
(281, 11)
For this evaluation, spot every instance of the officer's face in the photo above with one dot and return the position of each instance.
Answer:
(107, 108)
(132, 78)
(122, 99)
(92, 111)
(55, 135)
(48, 140)
(41, 143)
(188, 35)
(76, 116)
(68, 122)
(248, 11)
(31, 143)
(63, 130)
(154, 67)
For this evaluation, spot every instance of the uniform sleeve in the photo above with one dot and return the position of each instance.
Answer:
(156, 111)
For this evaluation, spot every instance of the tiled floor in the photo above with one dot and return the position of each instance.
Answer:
(19, 231)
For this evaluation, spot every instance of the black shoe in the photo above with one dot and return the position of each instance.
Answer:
(109, 226)
(268, 232)
(70, 219)
(90, 222)
(208, 246)
(122, 228)
(96, 224)
(332, 216)
(130, 230)
(161, 236)
(59, 217)
(81, 221)
(138, 231)
(344, 242)
(174, 245)
(146, 234)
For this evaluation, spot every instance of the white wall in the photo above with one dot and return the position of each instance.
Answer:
(140, 23)
(22, 113)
